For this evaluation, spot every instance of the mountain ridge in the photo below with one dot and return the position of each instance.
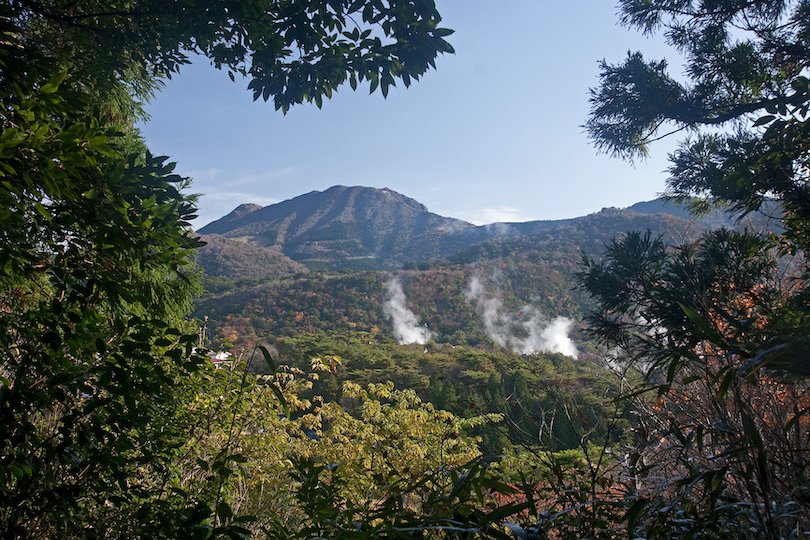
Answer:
(356, 227)
(259, 291)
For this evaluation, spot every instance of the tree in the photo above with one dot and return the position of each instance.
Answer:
(722, 446)
(94, 283)
(744, 100)
(97, 362)
(718, 328)
(291, 51)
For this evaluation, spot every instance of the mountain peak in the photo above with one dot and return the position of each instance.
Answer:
(370, 193)
(374, 228)
(355, 225)
(226, 222)
(244, 209)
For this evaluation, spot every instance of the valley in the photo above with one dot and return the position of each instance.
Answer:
(323, 261)
(475, 320)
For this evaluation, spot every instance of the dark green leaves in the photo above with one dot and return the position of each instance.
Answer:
(744, 95)
(632, 102)
(94, 292)
(271, 364)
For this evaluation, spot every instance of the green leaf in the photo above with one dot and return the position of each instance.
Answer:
(281, 399)
(53, 85)
(634, 513)
(268, 358)
(42, 210)
(16, 471)
(702, 324)
(725, 384)
(497, 515)
(224, 511)
(796, 418)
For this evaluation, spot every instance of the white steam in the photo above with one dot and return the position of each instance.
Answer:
(406, 323)
(527, 333)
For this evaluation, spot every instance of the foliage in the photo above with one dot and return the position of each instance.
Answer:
(718, 327)
(291, 51)
(94, 353)
(227, 264)
(535, 269)
(455, 504)
(546, 399)
(113, 425)
(745, 98)
(386, 464)
(572, 494)
(99, 374)
(725, 446)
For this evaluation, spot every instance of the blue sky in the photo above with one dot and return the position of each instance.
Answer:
(494, 134)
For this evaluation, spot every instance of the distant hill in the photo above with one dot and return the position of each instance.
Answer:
(525, 265)
(228, 263)
(767, 218)
(257, 286)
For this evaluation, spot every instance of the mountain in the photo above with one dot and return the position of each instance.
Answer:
(527, 268)
(368, 228)
(525, 265)
(236, 214)
(768, 217)
(342, 227)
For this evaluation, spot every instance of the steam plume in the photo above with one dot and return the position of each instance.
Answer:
(527, 333)
(406, 323)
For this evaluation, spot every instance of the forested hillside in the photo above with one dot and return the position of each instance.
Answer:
(525, 266)
(228, 264)
(470, 381)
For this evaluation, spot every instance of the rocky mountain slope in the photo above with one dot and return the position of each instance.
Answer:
(255, 290)
(342, 226)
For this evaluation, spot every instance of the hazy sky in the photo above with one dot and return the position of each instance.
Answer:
(494, 134)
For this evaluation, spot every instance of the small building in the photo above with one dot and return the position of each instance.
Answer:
(219, 358)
